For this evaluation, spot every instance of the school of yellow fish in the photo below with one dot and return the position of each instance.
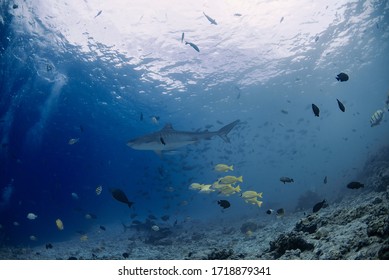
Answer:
(226, 186)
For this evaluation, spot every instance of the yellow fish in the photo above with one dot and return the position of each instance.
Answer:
(59, 224)
(223, 167)
(84, 237)
(230, 180)
(73, 141)
(228, 189)
(99, 189)
(251, 194)
(195, 186)
(254, 201)
(206, 189)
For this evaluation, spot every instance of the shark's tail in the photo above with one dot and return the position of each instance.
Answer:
(222, 132)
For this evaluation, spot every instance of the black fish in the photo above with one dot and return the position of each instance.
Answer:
(141, 117)
(325, 180)
(286, 180)
(316, 110)
(342, 77)
(224, 203)
(102, 227)
(280, 212)
(125, 255)
(269, 211)
(355, 185)
(192, 45)
(319, 205)
(81, 128)
(162, 141)
(49, 246)
(341, 106)
(119, 195)
(182, 37)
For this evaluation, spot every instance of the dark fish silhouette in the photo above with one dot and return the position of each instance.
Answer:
(182, 37)
(280, 212)
(269, 211)
(141, 116)
(119, 195)
(224, 203)
(192, 45)
(99, 13)
(286, 180)
(211, 20)
(102, 227)
(162, 141)
(316, 110)
(49, 246)
(325, 180)
(341, 106)
(355, 185)
(342, 77)
(319, 205)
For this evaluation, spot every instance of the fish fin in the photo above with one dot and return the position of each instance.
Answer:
(222, 132)
(337, 78)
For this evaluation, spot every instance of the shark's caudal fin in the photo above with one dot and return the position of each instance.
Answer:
(222, 132)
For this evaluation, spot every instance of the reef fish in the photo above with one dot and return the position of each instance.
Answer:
(119, 195)
(224, 203)
(286, 180)
(342, 77)
(211, 20)
(99, 189)
(31, 216)
(315, 110)
(175, 139)
(269, 211)
(73, 141)
(355, 185)
(59, 224)
(223, 167)
(230, 180)
(325, 180)
(280, 212)
(193, 46)
(376, 118)
(319, 205)
(182, 37)
(341, 106)
(254, 200)
(251, 194)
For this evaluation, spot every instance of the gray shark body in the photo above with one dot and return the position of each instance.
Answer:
(169, 139)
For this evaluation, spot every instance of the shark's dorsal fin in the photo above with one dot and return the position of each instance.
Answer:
(168, 127)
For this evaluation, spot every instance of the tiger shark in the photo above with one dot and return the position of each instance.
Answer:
(169, 139)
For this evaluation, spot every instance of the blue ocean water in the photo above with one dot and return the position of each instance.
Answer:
(70, 72)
